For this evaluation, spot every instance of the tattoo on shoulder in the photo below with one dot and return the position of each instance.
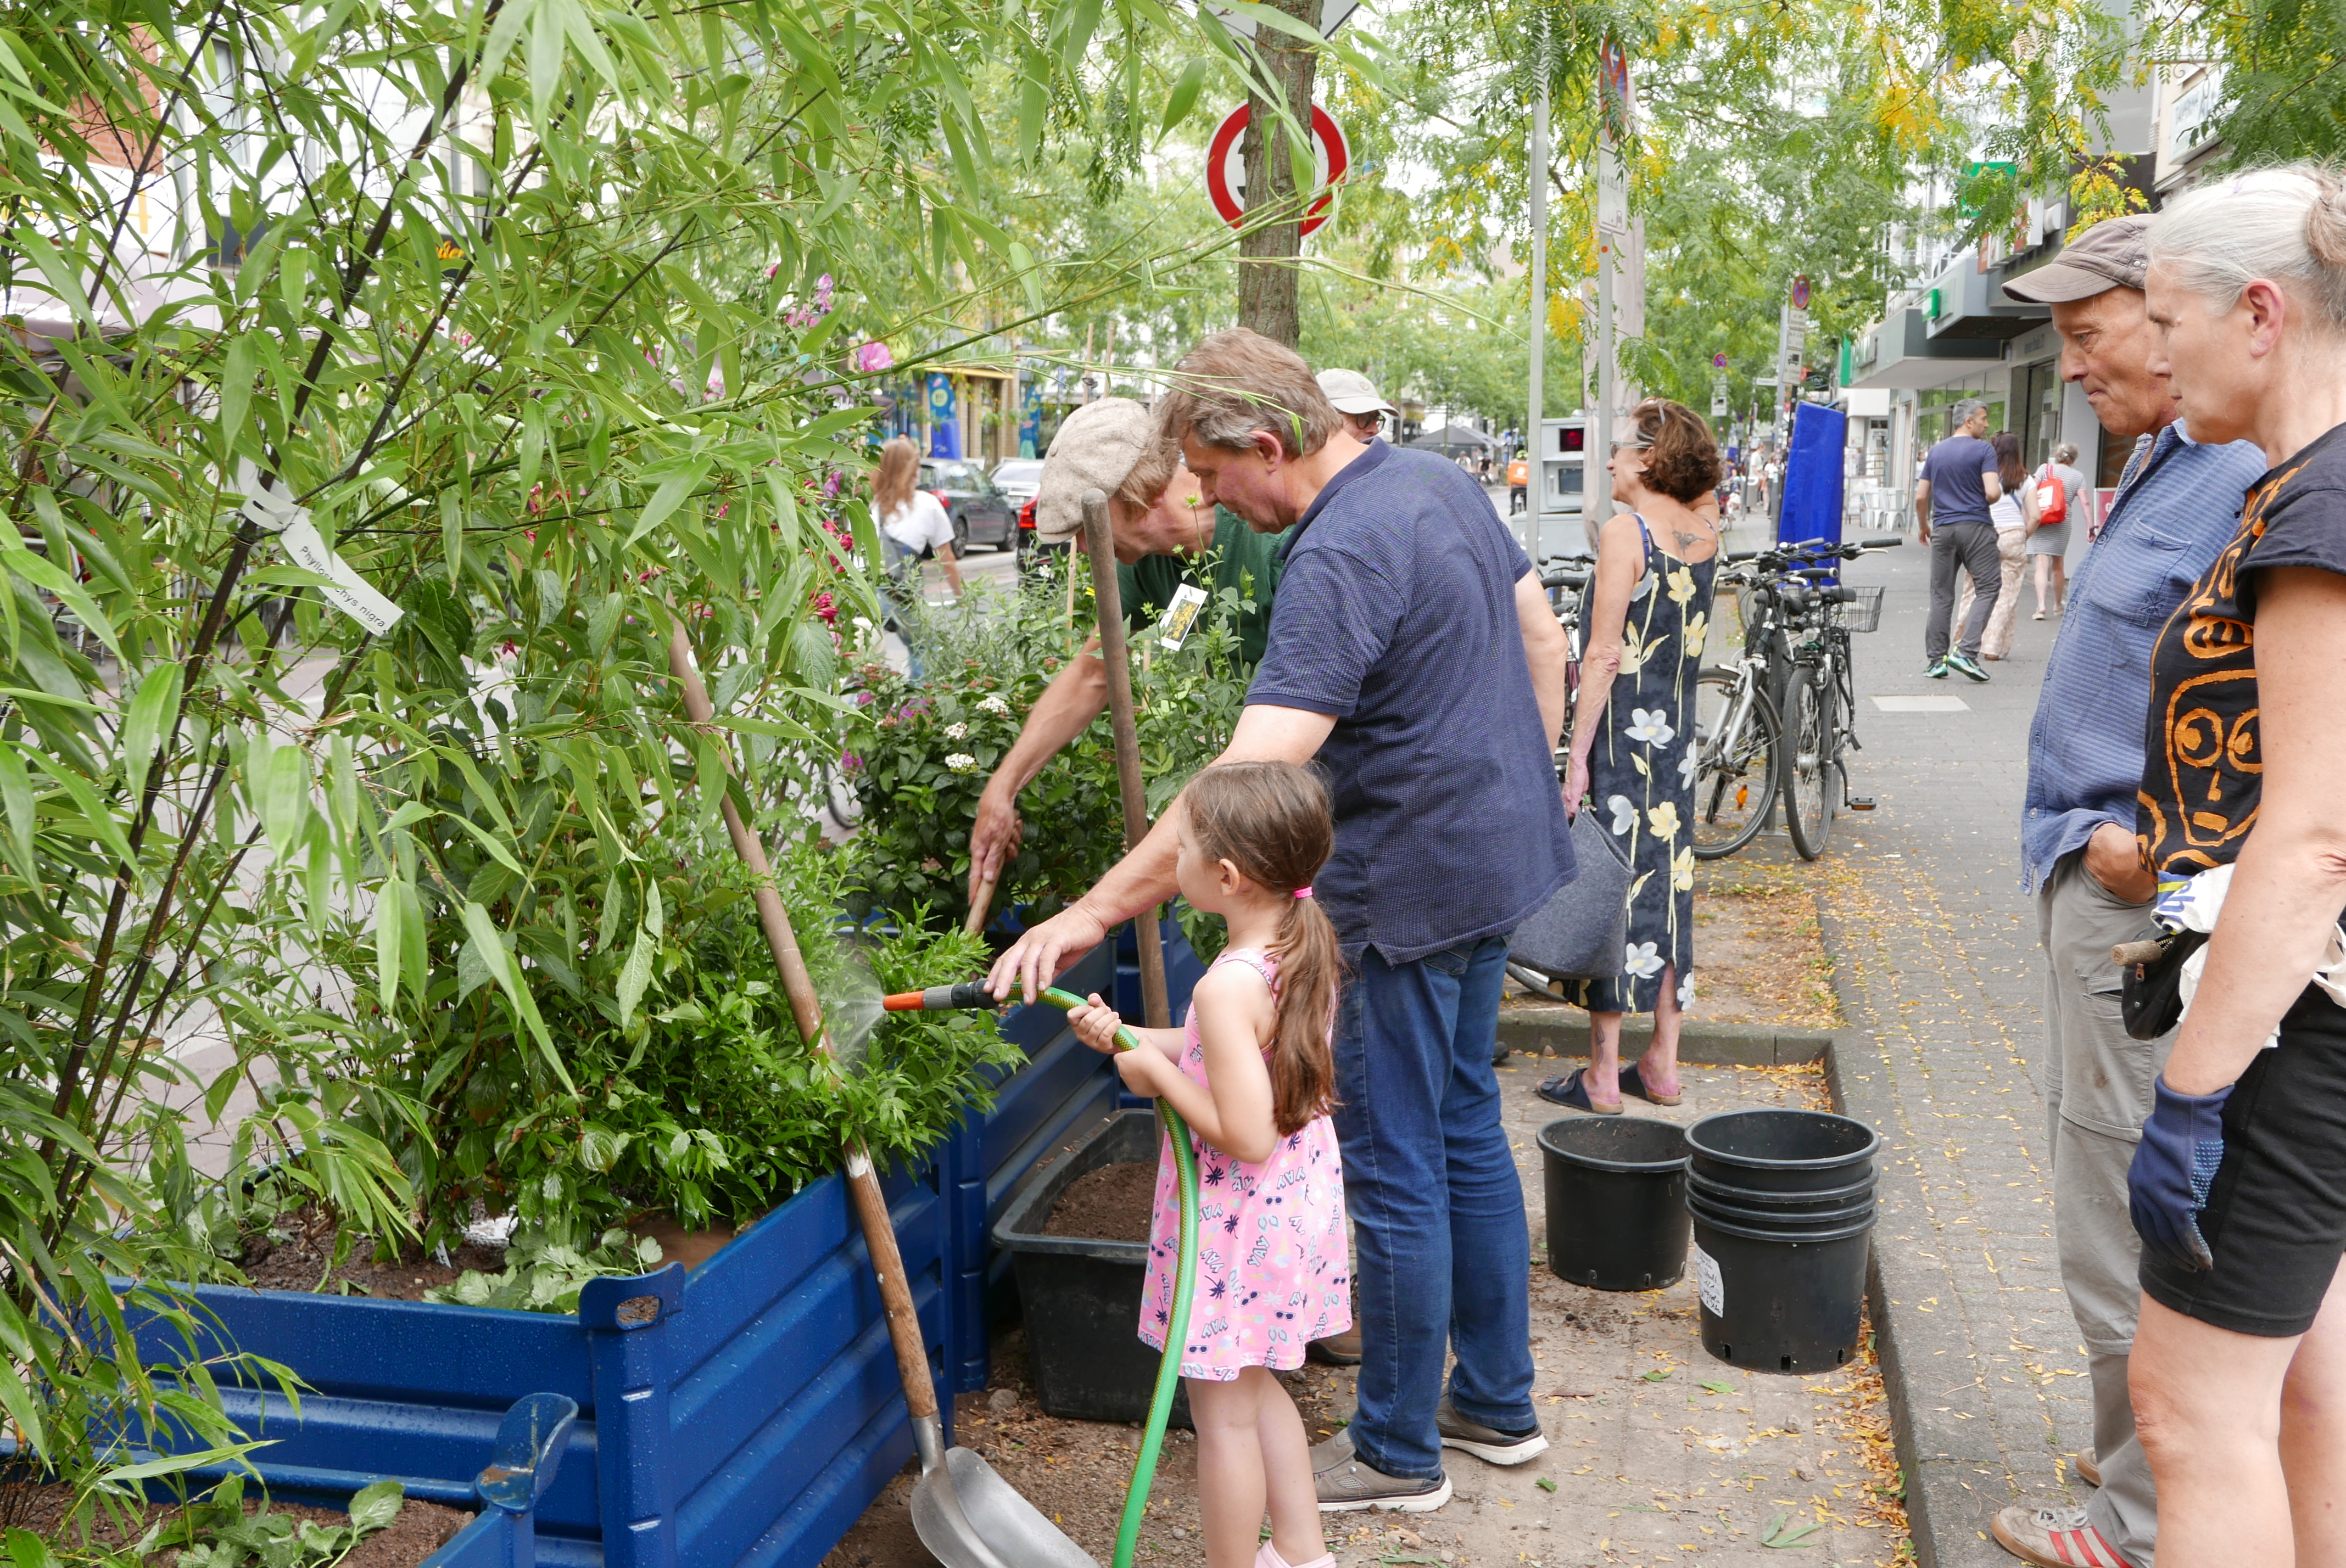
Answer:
(1687, 541)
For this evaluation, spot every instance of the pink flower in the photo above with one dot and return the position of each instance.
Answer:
(873, 357)
(824, 608)
(851, 762)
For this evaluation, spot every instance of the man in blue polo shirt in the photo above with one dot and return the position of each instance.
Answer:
(1950, 516)
(1413, 656)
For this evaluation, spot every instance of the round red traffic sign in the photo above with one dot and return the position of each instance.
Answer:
(1718, 361)
(1226, 169)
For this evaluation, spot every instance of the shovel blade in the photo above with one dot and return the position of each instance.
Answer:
(1009, 1531)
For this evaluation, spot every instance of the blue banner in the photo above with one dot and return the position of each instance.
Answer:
(1813, 476)
(944, 418)
(1030, 418)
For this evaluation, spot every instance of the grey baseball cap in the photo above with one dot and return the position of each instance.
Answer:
(1352, 392)
(1097, 448)
(2112, 254)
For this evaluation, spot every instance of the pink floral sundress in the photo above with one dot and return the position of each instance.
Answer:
(1273, 1270)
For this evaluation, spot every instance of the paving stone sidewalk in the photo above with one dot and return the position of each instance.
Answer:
(1939, 969)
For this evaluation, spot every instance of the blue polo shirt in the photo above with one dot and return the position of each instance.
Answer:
(1396, 617)
(1958, 469)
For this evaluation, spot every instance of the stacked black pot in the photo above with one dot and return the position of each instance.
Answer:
(1783, 1206)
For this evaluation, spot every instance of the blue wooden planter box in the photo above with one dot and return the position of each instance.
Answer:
(744, 1413)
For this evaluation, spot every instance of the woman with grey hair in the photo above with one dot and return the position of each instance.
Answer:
(2237, 1187)
(2048, 543)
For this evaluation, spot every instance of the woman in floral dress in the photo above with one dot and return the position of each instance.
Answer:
(1633, 741)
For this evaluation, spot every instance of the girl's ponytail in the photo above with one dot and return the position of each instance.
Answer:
(1272, 820)
(1302, 1062)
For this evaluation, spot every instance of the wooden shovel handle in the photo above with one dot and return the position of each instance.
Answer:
(862, 1181)
(1100, 545)
(981, 906)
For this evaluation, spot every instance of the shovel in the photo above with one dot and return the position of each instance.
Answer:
(966, 1514)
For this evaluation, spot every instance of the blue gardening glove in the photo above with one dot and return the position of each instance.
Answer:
(2166, 1185)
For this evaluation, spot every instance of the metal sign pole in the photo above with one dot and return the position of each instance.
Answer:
(1535, 408)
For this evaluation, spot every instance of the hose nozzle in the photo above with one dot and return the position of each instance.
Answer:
(968, 995)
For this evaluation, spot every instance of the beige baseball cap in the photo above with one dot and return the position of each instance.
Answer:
(1351, 393)
(1097, 448)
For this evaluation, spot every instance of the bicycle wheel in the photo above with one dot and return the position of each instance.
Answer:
(1810, 783)
(1735, 782)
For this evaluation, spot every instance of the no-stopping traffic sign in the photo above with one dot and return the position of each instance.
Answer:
(1226, 169)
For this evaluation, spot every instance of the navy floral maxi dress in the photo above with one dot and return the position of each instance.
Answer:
(1641, 770)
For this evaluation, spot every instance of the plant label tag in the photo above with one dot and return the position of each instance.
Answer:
(271, 511)
(1180, 616)
(1707, 1283)
(350, 593)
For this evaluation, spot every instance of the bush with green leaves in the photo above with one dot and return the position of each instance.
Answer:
(920, 753)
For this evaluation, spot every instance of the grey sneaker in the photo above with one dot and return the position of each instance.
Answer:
(1936, 669)
(1964, 665)
(1494, 1444)
(1347, 1484)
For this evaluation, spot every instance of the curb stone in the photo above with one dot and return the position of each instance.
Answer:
(1563, 1032)
(1941, 1448)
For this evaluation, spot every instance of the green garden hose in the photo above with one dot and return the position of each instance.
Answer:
(1177, 1332)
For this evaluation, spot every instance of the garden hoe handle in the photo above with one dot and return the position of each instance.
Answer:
(863, 1182)
(1100, 545)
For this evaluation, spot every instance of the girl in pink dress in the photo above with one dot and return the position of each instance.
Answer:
(1254, 1076)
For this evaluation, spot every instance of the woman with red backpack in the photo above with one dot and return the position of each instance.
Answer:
(2057, 486)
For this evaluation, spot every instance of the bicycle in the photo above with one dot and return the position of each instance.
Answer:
(1737, 729)
(1821, 717)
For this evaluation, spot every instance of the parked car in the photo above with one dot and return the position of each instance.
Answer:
(1018, 478)
(981, 514)
(1029, 546)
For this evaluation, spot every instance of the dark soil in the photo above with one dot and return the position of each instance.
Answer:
(420, 1529)
(1110, 1204)
(300, 1262)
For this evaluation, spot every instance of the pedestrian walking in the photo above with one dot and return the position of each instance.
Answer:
(2048, 534)
(1413, 657)
(1634, 743)
(1251, 1072)
(912, 522)
(1951, 501)
(2013, 514)
(1519, 481)
(2238, 1187)
(2174, 510)
(1356, 397)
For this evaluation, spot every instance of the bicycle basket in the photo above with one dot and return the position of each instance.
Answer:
(1862, 614)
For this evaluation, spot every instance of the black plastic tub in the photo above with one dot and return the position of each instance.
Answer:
(1617, 1203)
(1783, 1208)
(1780, 1303)
(1775, 1151)
(1081, 1297)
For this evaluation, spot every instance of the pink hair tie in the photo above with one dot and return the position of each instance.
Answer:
(1303, 892)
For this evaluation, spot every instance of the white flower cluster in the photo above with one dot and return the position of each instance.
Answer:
(996, 704)
(960, 762)
(955, 731)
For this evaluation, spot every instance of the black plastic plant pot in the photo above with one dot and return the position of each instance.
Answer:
(1617, 1211)
(1784, 1204)
(1081, 1297)
(1782, 1302)
(1775, 1151)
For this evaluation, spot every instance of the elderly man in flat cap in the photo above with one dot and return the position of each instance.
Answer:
(2177, 504)
(1165, 536)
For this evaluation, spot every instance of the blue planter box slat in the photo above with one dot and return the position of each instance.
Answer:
(744, 1414)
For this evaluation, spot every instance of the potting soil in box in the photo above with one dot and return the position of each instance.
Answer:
(1081, 1293)
(1113, 1203)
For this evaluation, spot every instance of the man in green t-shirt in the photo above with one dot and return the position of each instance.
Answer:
(1164, 534)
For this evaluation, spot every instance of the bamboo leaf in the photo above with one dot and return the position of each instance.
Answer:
(637, 974)
(390, 912)
(1184, 96)
(17, 801)
(142, 729)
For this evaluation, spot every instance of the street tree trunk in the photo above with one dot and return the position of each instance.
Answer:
(1267, 274)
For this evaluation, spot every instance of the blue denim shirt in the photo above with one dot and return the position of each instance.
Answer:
(2178, 504)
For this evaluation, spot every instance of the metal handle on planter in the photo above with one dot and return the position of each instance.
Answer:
(1099, 544)
(863, 1182)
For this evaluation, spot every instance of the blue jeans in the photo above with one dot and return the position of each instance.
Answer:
(1445, 1248)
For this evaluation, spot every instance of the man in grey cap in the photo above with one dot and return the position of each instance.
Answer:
(1357, 398)
(2177, 504)
(1163, 533)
